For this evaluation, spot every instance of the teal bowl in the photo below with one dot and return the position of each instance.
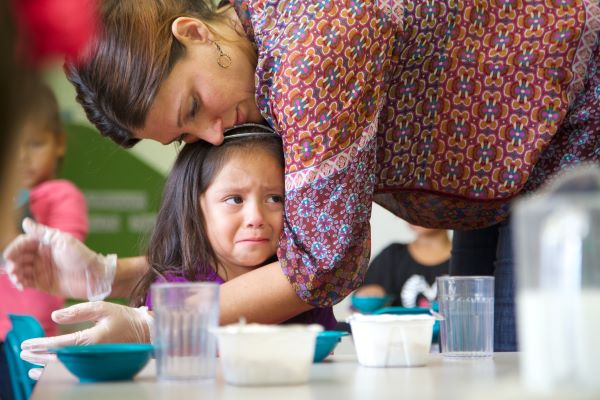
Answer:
(326, 342)
(105, 362)
(370, 304)
(412, 311)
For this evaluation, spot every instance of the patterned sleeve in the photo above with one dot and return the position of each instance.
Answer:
(323, 90)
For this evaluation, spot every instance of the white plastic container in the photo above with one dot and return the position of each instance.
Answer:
(392, 340)
(256, 354)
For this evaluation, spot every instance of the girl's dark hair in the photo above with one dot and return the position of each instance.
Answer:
(43, 108)
(119, 74)
(179, 244)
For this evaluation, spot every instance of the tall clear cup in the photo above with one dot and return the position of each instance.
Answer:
(185, 317)
(557, 246)
(467, 305)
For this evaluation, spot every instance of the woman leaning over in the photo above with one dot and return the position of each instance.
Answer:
(436, 110)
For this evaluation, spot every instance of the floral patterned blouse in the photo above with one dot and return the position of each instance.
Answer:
(437, 110)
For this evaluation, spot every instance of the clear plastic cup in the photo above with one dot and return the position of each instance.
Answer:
(557, 244)
(185, 316)
(467, 305)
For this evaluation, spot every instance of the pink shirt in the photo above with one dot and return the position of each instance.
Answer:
(61, 205)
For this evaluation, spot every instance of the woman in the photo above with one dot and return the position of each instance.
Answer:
(437, 111)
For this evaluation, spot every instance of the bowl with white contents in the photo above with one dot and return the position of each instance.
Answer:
(257, 354)
(388, 340)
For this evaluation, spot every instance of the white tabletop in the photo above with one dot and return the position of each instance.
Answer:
(339, 377)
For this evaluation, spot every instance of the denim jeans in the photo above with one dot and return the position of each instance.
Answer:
(489, 251)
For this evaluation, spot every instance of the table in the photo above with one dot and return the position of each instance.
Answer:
(340, 377)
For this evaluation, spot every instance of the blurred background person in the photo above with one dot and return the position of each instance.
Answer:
(31, 33)
(53, 202)
(50, 201)
(407, 272)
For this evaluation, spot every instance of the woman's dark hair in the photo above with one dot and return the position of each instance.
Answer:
(179, 244)
(118, 76)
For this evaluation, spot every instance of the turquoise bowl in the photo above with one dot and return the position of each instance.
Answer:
(326, 342)
(370, 304)
(412, 311)
(105, 362)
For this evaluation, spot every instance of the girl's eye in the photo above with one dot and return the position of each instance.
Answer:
(234, 200)
(275, 199)
(36, 143)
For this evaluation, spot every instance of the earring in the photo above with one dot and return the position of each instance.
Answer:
(224, 60)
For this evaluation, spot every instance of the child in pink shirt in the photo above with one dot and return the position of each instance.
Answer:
(53, 202)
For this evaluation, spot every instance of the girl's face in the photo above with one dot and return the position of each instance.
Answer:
(243, 210)
(39, 154)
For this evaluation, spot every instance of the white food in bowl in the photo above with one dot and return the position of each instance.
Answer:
(392, 340)
(256, 354)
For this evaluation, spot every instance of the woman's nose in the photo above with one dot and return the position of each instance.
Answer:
(211, 132)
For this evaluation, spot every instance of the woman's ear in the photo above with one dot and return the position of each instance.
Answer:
(190, 30)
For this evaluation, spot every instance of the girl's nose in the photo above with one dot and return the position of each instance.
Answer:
(254, 216)
(22, 153)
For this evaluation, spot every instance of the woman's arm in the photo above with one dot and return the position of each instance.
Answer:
(263, 295)
(129, 271)
(55, 262)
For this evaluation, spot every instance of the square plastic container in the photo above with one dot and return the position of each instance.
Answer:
(392, 340)
(256, 354)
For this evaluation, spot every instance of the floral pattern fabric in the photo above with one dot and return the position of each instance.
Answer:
(578, 137)
(437, 110)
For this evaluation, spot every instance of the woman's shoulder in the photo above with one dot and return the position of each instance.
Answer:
(320, 71)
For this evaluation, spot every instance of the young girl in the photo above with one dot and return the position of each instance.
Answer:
(221, 214)
(53, 202)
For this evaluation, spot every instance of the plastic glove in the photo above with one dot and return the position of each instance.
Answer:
(115, 323)
(56, 262)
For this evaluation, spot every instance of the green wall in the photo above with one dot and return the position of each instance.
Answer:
(122, 192)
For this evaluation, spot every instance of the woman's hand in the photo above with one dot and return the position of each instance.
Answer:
(56, 262)
(114, 323)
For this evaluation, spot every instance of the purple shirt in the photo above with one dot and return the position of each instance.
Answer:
(323, 316)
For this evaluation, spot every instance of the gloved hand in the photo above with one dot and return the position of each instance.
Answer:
(56, 262)
(115, 323)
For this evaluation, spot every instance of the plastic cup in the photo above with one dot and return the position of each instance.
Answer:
(185, 316)
(467, 304)
(557, 244)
